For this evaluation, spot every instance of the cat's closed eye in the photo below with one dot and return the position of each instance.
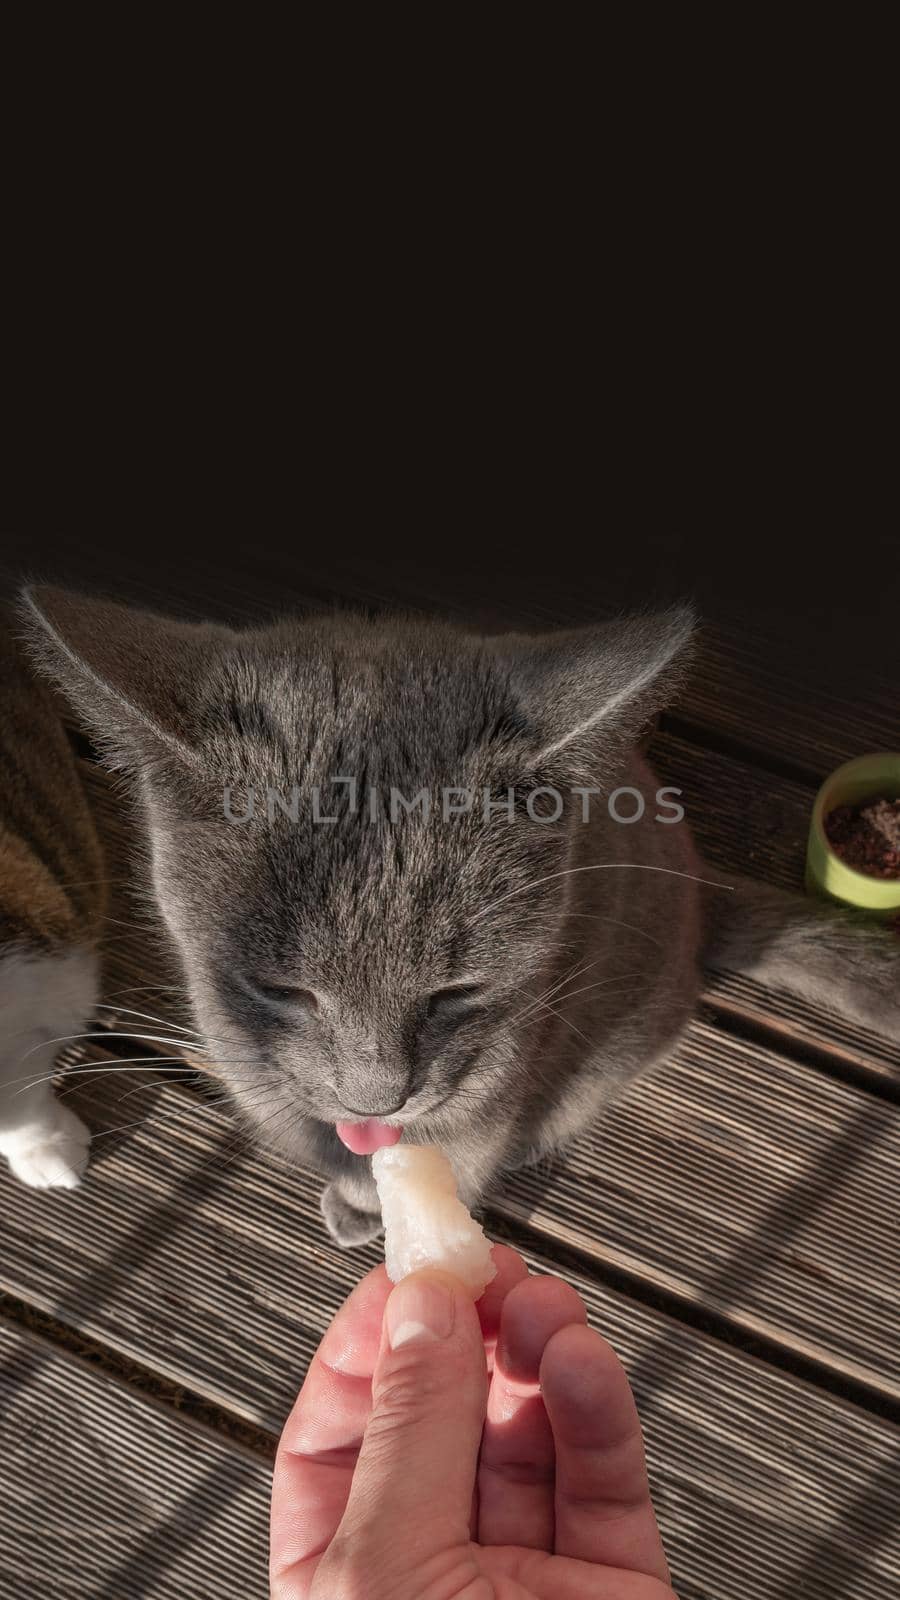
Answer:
(285, 994)
(456, 1001)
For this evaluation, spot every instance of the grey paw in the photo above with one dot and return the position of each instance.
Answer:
(347, 1225)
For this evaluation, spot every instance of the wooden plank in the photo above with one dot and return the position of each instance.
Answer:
(108, 1495)
(770, 694)
(743, 818)
(750, 1184)
(793, 1025)
(750, 822)
(213, 1268)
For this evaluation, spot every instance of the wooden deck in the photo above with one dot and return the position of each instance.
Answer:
(732, 1226)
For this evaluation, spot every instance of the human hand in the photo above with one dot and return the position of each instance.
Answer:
(418, 1465)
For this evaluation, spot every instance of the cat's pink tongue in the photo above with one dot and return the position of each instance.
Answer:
(365, 1137)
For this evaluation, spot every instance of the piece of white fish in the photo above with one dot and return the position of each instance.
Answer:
(425, 1222)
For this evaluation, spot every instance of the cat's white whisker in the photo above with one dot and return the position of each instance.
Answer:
(148, 988)
(549, 993)
(238, 1143)
(189, 1053)
(83, 1072)
(124, 1126)
(155, 1083)
(65, 1071)
(574, 972)
(199, 1072)
(193, 1037)
(601, 983)
(599, 866)
(63, 1094)
(599, 916)
(103, 1033)
(146, 1017)
(542, 1005)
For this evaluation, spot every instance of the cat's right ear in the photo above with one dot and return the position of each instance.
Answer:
(584, 695)
(136, 679)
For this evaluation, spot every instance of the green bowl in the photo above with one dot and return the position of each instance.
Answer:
(866, 778)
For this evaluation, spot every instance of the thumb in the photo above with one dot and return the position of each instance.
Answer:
(412, 1488)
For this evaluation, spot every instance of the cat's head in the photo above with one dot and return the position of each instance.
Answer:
(370, 966)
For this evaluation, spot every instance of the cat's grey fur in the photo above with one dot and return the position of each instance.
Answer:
(376, 918)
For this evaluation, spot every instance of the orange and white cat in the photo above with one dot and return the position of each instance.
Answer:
(52, 898)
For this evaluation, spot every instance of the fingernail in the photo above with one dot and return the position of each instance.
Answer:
(418, 1310)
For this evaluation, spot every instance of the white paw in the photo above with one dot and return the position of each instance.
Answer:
(52, 1154)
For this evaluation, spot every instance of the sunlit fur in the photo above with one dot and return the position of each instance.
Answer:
(579, 943)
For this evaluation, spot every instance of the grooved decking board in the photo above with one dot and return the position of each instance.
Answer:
(756, 1186)
(745, 821)
(767, 695)
(108, 1496)
(215, 1270)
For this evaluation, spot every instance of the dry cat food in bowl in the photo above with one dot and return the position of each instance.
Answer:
(853, 853)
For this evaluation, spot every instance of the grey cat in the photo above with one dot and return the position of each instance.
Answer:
(485, 982)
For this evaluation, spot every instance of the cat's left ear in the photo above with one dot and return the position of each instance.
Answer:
(585, 695)
(136, 679)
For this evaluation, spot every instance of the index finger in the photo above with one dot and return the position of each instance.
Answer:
(320, 1441)
(321, 1438)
